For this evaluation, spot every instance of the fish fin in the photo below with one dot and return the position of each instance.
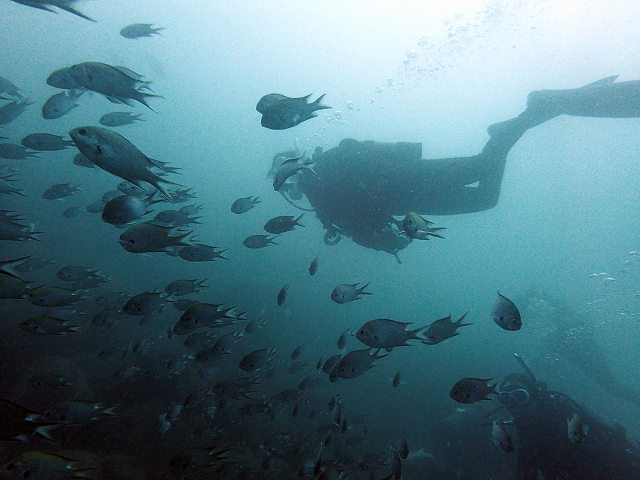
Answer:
(110, 410)
(434, 232)
(46, 8)
(142, 98)
(459, 323)
(45, 431)
(361, 289)
(155, 180)
(316, 105)
(114, 100)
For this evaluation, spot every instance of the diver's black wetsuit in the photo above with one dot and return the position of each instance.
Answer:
(359, 186)
(543, 446)
(537, 423)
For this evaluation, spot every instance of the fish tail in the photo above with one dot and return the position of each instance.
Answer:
(142, 98)
(316, 105)
(361, 289)
(155, 180)
(180, 238)
(434, 231)
(45, 431)
(459, 322)
(110, 410)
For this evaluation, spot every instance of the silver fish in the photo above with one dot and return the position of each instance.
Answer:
(139, 30)
(386, 333)
(185, 287)
(355, 363)
(420, 228)
(118, 156)
(345, 292)
(118, 119)
(282, 224)
(174, 218)
(290, 112)
(443, 328)
(506, 315)
(145, 303)
(257, 359)
(200, 253)
(60, 104)
(70, 273)
(147, 237)
(244, 204)
(259, 241)
(471, 390)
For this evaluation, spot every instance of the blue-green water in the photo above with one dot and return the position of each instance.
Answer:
(562, 237)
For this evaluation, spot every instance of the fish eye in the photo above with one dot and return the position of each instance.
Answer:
(99, 149)
(82, 131)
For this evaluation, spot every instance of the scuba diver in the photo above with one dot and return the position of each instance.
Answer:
(554, 437)
(357, 187)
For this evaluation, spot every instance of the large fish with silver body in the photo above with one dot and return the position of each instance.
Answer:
(118, 84)
(147, 237)
(118, 156)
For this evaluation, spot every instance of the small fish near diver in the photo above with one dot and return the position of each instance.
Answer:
(280, 112)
